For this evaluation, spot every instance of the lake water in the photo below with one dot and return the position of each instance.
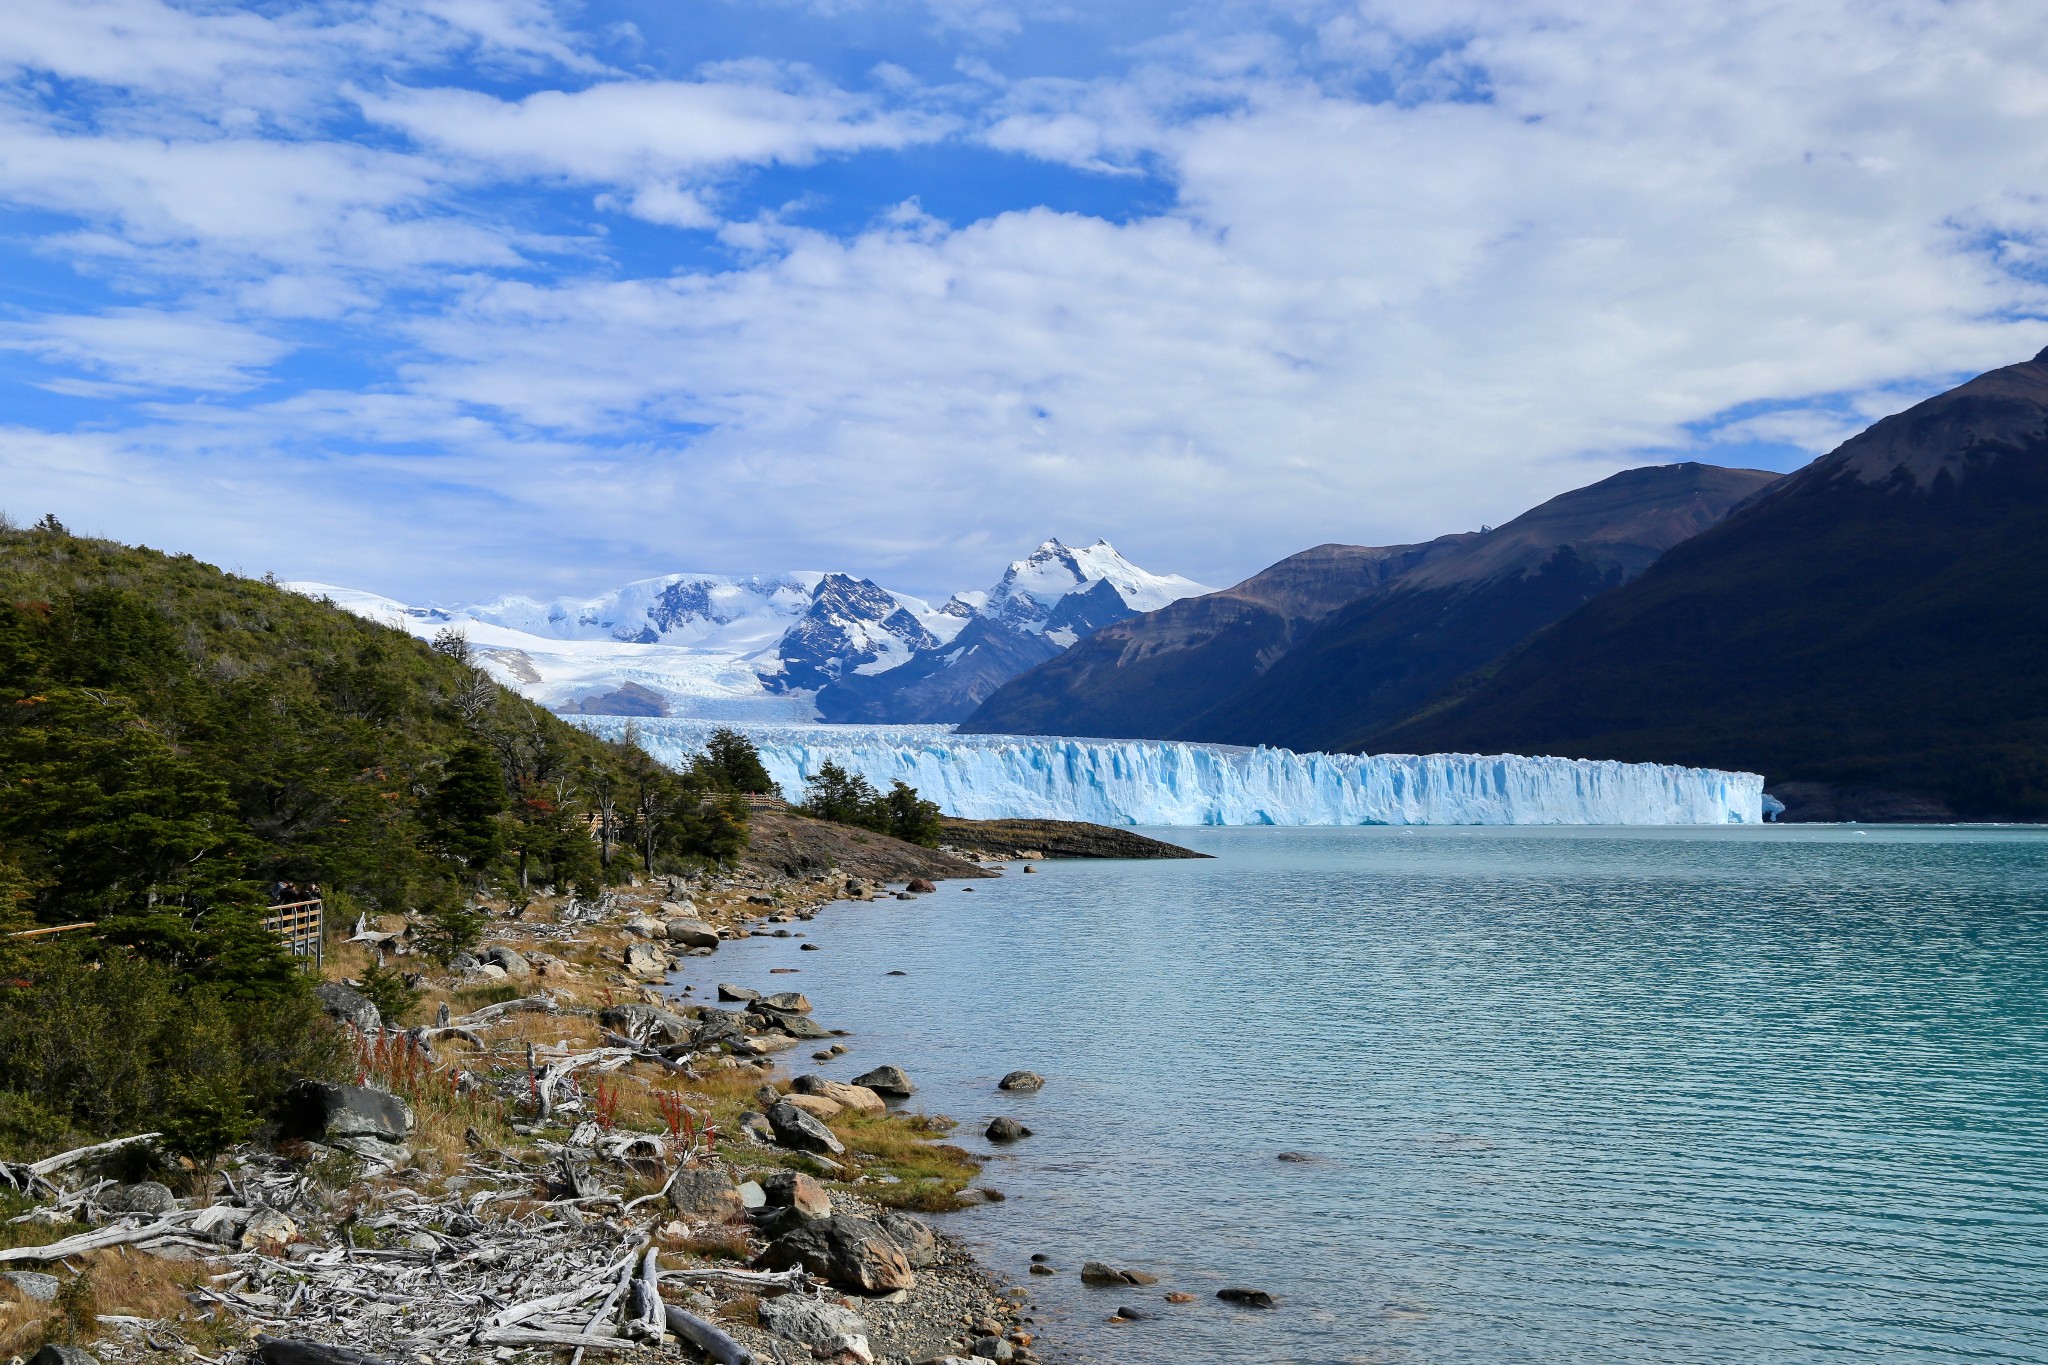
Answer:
(1774, 1094)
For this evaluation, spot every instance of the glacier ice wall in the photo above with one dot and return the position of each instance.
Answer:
(1147, 782)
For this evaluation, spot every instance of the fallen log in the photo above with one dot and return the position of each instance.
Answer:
(50, 1165)
(707, 1337)
(521, 1336)
(532, 1004)
(101, 1239)
(287, 1351)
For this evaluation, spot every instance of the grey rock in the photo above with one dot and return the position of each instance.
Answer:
(718, 1026)
(463, 962)
(691, 933)
(846, 1251)
(756, 1126)
(992, 1348)
(281, 1351)
(1132, 1314)
(1250, 1298)
(644, 959)
(752, 1195)
(321, 1111)
(785, 1002)
(1101, 1273)
(797, 1130)
(143, 1197)
(33, 1285)
(795, 1025)
(828, 1328)
(887, 1080)
(795, 1190)
(742, 993)
(350, 1006)
(1006, 1130)
(1296, 1158)
(1024, 1081)
(706, 1192)
(54, 1354)
(655, 1025)
(918, 1243)
(646, 926)
(505, 960)
(919, 886)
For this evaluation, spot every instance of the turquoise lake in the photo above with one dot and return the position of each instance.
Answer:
(1647, 1095)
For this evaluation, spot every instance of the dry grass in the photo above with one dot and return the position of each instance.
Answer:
(929, 1174)
(119, 1282)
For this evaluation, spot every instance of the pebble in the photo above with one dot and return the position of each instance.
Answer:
(1178, 1296)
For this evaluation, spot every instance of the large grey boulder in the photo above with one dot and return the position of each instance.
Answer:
(1023, 1081)
(53, 1354)
(321, 1111)
(858, 1098)
(706, 1192)
(888, 1081)
(145, 1196)
(829, 1329)
(801, 1132)
(644, 959)
(348, 1005)
(691, 933)
(506, 961)
(647, 1023)
(847, 1251)
(785, 1002)
(33, 1285)
(719, 1026)
(918, 1243)
(795, 1025)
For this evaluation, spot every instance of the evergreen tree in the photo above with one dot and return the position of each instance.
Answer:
(910, 817)
(731, 763)
(836, 794)
(464, 809)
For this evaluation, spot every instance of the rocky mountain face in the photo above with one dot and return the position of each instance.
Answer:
(1327, 644)
(1869, 634)
(788, 647)
(1043, 604)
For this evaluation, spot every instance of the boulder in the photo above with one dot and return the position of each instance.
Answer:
(1100, 1273)
(506, 961)
(267, 1228)
(321, 1111)
(282, 1351)
(691, 933)
(992, 1348)
(145, 1196)
(33, 1285)
(646, 926)
(795, 1190)
(706, 1192)
(817, 1106)
(799, 1131)
(53, 1354)
(1025, 1082)
(718, 1026)
(858, 1098)
(920, 886)
(647, 1022)
(795, 1025)
(784, 1002)
(741, 993)
(348, 1005)
(888, 1081)
(752, 1196)
(829, 1329)
(644, 959)
(1250, 1298)
(1006, 1130)
(918, 1243)
(849, 1252)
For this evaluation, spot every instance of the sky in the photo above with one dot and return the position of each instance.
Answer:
(453, 298)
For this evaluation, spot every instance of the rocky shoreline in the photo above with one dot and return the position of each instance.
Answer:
(568, 1158)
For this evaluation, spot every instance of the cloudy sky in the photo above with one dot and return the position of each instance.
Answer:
(447, 298)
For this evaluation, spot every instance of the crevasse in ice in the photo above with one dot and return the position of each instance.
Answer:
(1152, 782)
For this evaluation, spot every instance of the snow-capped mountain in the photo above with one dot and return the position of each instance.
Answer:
(770, 647)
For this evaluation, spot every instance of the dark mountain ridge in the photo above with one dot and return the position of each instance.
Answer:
(1326, 645)
(1869, 634)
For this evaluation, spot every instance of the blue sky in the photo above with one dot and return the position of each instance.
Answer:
(449, 298)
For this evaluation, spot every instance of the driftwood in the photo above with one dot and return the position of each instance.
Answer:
(532, 1004)
(28, 1177)
(520, 1336)
(707, 1337)
(286, 1351)
(104, 1237)
(793, 1278)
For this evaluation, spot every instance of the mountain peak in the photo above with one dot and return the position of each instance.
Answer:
(1952, 433)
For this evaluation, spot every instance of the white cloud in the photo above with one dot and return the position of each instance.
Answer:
(1436, 263)
(152, 349)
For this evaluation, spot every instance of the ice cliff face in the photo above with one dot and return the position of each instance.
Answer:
(1138, 782)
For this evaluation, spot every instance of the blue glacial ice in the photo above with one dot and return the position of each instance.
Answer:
(1152, 782)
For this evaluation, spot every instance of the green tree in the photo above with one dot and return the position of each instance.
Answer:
(731, 763)
(833, 793)
(911, 817)
(464, 808)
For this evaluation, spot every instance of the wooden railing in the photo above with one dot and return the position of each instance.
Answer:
(302, 926)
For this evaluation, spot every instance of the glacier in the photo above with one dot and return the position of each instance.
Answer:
(1157, 782)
